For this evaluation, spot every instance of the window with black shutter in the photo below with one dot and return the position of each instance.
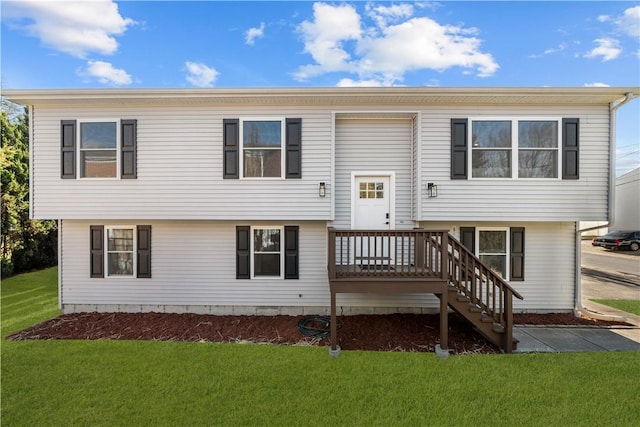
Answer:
(98, 149)
(262, 148)
(267, 251)
(120, 251)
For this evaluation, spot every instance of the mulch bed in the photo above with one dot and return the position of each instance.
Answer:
(394, 332)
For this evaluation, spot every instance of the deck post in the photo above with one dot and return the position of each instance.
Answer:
(444, 321)
(334, 351)
(508, 321)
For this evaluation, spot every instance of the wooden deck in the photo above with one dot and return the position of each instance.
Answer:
(421, 261)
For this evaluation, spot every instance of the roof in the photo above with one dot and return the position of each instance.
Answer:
(329, 95)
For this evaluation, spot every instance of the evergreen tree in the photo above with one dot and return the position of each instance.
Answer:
(25, 244)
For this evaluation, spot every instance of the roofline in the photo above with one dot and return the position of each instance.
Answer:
(404, 94)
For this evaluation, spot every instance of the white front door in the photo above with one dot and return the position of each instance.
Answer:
(372, 211)
(372, 204)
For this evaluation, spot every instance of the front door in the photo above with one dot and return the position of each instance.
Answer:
(372, 203)
(372, 211)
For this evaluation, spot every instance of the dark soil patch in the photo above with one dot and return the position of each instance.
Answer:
(394, 332)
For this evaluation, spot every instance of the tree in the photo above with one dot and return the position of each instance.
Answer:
(25, 244)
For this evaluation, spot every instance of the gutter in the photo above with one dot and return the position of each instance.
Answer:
(579, 308)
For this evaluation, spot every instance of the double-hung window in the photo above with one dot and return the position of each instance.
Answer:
(527, 148)
(267, 253)
(98, 149)
(120, 244)
(492, 250)
(120, 251)
(499, 248)
(262, 148)
(258, 148)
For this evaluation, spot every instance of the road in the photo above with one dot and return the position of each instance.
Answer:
(609, 275)
(621, 266)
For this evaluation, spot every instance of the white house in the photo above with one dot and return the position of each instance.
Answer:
(221, 200)
(627, 201)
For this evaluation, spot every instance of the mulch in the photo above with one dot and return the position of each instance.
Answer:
(392, 332)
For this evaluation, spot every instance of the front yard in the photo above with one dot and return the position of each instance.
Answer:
(174, 383)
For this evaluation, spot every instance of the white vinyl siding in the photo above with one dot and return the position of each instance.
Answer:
(530, 199)
(179, 169)
(374, 145)
(193, 264)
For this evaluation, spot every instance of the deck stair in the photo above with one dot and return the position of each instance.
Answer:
(430, 261)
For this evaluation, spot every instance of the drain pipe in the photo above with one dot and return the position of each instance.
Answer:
(579, 308)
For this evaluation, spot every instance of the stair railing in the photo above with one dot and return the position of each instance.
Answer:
(483, 287)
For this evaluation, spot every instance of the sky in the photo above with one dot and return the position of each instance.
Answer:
(53, 44)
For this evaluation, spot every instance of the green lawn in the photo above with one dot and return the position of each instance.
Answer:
(627, 305)
(105, 383)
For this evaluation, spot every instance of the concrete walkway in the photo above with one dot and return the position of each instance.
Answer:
(561, 339)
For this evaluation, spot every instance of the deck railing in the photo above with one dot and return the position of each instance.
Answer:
(394, 254)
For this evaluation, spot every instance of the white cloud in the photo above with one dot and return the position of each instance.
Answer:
(200, 75)
(254, 33)
(603, 18)
(338, 41)
(596, 84)
(629, 22)
(393, 13)
(106, 73)
(607, 48)
(73, 27)
(325, 36)
(363, 83)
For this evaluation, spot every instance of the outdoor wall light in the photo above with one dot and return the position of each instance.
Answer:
(322, 189)
(432, 189)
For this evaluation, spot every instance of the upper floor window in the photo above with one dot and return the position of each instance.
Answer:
(98, 150)
(262, 148)
(515, 148)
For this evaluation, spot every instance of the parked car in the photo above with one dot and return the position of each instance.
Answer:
(619, 240)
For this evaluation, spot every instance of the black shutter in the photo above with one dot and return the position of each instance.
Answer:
(570, 148)
(243, 252)
(291, 252)
(294, 148)
(459, 152)
(231, 136)
(68, 149)
(468, 238)
(128, 149)
(97, 250)
(144, 251)
(517, 254)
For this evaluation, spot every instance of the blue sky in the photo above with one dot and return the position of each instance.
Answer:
(102, 43)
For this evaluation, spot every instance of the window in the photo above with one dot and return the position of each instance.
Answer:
(492, 250)
(120, 251)
(262, 148)
(501, 249)
(267, 257)
(267, 252)
(515, 148)
(98, 150)
(371, 190)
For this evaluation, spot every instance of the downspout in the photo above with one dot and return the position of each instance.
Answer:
(579, 308)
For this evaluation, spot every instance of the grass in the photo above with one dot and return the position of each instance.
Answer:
(627, 305)
(104, 383)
